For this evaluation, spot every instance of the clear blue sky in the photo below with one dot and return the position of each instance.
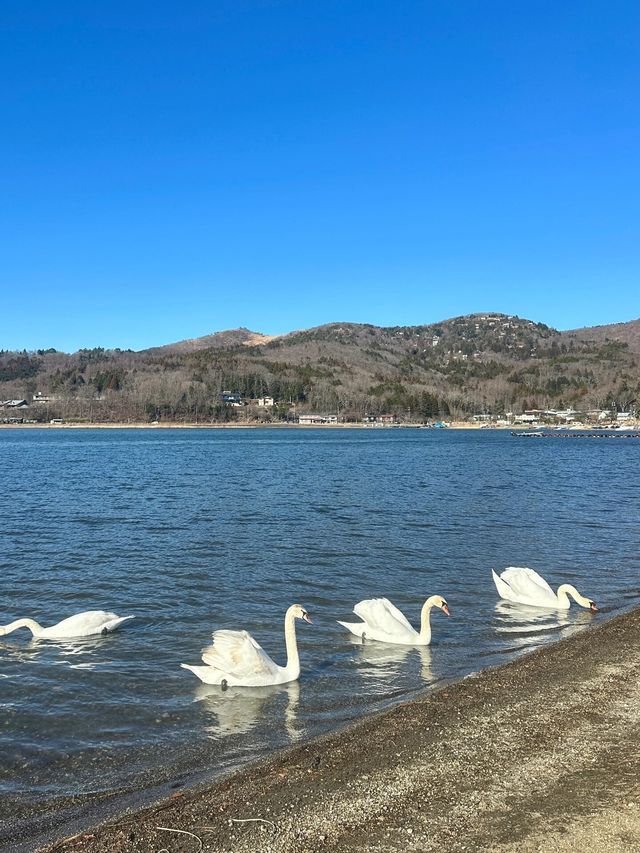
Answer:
(171, 169)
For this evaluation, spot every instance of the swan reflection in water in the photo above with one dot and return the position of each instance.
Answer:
(529, 627)
(386, 660)
(237, 710)
(64, 649)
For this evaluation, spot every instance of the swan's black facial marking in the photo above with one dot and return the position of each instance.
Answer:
(223, 684)
(104, 631)
(592, 607)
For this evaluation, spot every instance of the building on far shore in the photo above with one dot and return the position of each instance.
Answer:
(527, 418)
(14, 404)
(384, 420)
(39, 397)
(316, 420)
(231, 399)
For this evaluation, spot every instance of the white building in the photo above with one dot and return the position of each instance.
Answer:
(316, 420)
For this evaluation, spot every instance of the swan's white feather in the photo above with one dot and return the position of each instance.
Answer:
(237, 653)
(525, 586)
(382, 616)
(382, 621)
(526, 581)
(504, 590)
(206, 674)
(85, 624)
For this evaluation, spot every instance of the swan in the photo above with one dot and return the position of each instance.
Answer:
(81, 625)
(524, 586)
(384, 622)
(236, 660)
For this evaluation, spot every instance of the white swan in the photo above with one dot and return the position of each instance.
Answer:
(384, 622)
(81, 625)
(236, 660)
(524, 586)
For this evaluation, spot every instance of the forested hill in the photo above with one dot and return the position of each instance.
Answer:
(478, 363)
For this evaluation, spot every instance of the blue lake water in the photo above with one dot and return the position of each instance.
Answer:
(192, 530)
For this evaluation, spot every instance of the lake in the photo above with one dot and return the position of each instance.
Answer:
(193, 530)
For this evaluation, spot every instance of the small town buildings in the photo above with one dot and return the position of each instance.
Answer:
(266, 401)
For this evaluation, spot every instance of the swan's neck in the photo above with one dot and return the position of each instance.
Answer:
(293, 660)
(31, 624)
(567, 590)
(425, 621)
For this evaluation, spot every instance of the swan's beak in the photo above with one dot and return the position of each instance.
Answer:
(307, 618)
(592, 607)
(445, 609)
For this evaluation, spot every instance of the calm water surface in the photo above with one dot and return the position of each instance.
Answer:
(195, 530)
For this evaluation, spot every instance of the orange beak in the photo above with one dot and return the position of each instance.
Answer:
(445, 609)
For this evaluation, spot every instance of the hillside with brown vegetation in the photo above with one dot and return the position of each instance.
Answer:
(489, 363)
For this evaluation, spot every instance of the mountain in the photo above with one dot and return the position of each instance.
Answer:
(221, 340)
(485, 362)
(625, 333)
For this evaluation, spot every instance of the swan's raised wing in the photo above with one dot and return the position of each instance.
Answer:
(237, 653)
(382, 615)
(527, 584)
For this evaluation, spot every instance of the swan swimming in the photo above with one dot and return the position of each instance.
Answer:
(524, 586)
(81, 625)
(382, 621)
(236, 660)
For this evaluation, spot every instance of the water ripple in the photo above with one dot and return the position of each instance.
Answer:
(192, 531)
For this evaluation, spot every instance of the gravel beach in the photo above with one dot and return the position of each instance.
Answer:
(541, 754)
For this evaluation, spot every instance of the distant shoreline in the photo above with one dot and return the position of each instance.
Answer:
(455, 425)
(237, 425)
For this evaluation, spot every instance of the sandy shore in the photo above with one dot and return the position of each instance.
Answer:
(541, 754)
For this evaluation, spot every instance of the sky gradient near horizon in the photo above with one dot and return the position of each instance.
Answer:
(170, 170)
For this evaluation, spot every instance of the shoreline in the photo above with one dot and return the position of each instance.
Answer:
(453, 425)
(541, 753)
(237, 425)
